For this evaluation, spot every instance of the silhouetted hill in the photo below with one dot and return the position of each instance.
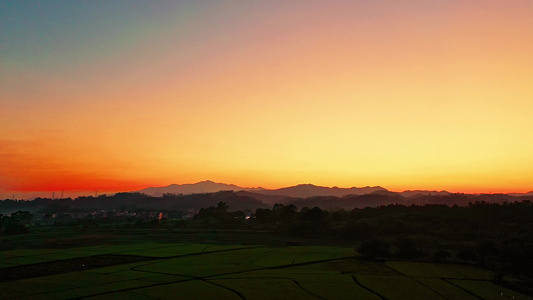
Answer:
(268, 199)
(298, 191)
(310, 190)
(208, 193)
(386, 193)
(135, 202)
(334, 197)
(414, 193)
(521, 194)
(207, 186)
(245, 200)
(349, 202)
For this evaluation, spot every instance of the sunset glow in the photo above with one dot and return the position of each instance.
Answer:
(119, 96)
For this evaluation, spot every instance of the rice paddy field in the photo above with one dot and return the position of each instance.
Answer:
(129, 269)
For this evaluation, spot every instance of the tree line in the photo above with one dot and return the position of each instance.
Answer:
(496, 236)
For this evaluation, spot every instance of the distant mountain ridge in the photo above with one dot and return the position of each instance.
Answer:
(310, 190)
(297, 191)
(207, 186)
(521, 194)
(413, 193)
(208, 193)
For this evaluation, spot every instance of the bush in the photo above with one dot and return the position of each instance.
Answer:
(14, 228)
(467, 255)
(441, 255)
(406, 248)
(374, 249)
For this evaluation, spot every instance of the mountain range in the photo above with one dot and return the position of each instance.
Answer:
(297, 191)
(208, 193)
(309, 195)
(207, 186)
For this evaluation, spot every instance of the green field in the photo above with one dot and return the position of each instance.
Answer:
(208, 271)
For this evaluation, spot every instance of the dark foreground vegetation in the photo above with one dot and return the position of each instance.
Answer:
(185, 270)
(498, 237)
(242, 200)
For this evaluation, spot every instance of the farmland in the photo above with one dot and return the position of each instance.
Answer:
(209, 265)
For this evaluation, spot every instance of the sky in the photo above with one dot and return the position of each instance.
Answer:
(123, 95)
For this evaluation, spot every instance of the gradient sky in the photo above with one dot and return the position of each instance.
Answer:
(121, 95)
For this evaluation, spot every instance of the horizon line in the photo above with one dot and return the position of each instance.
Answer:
(94, 192)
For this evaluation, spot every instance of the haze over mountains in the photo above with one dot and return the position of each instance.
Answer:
(333, 197)
(208, 193)
(298, 191)
(207, 186)
(266, 195)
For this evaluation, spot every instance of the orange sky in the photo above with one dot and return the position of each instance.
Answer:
(410, 95)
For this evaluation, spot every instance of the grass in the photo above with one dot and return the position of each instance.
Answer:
(266, 288)
(488, 290)
(328, 284)
(446, 289)
(330, 290)
(193, 290)
(396, 287)
(195, 270)
(440, 270)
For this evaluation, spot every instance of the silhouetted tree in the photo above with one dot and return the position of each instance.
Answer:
(374, 249)
(406, 248)
(23, 217)
(263, 215)
(441, 255)
(467, 255)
